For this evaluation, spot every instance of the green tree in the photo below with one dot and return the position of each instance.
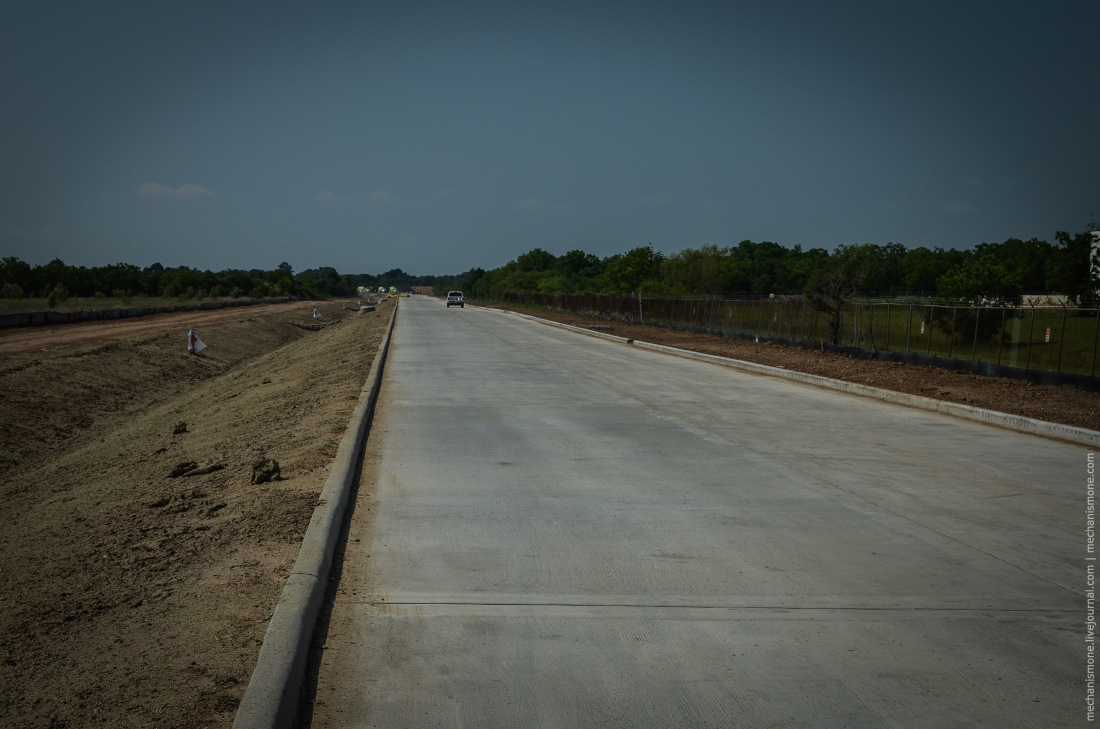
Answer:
(981, 281)
(536, 260)
(626, 272)
(695, 270)
(1068, 266)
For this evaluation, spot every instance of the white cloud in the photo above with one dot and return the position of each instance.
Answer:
(328, 196)
(382, 196)
(183, 192)
(530, 205)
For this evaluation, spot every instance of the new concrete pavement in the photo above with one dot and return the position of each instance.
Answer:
(558, 531)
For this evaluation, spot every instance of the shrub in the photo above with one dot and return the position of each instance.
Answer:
(236, 293)
(59, 294)
(123, 294)
(216, 292)
(170, 291)
(100, 295)
(11, 291)
(188, 294)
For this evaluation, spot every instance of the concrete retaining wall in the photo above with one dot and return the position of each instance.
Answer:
(271, 699)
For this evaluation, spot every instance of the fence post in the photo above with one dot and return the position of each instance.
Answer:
(857, 320)
(1062, 339)
(1030, 334)
(802, 329)
(951, 337)
(977, 320)
(752, 305)
(909, 330)
(1001, 337)
(641, 317)
(813, 334)
(931, 313)
(1095, 334)
(871, 327)
(887, 326)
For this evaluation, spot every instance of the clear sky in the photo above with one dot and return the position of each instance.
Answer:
(436, 137)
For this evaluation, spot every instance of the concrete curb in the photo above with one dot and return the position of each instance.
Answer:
(582, 330)
(1019, 423)
(271, 699)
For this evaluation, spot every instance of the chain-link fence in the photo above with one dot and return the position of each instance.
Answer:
(1060, 339)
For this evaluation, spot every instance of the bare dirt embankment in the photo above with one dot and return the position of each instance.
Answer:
(20, 340)
(129, 596)
(1065, 405)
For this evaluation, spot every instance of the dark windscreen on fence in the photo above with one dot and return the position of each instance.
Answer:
(1051, 338)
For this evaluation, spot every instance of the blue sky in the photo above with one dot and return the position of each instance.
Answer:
(437, 137)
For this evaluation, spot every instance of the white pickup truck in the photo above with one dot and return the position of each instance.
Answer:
(455, 298)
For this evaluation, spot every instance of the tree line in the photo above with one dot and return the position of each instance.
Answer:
(990, 273)
(56, 281)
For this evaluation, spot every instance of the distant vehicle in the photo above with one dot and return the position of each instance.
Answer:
(455, 298)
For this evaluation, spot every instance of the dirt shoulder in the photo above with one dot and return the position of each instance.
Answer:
(1054, 404)
(129, 597)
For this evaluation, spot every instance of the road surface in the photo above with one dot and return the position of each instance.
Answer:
(559, 531)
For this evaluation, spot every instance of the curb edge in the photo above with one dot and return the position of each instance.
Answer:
(1019, 423)
(274, 689)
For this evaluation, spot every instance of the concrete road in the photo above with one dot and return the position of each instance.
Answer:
(559, 531)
